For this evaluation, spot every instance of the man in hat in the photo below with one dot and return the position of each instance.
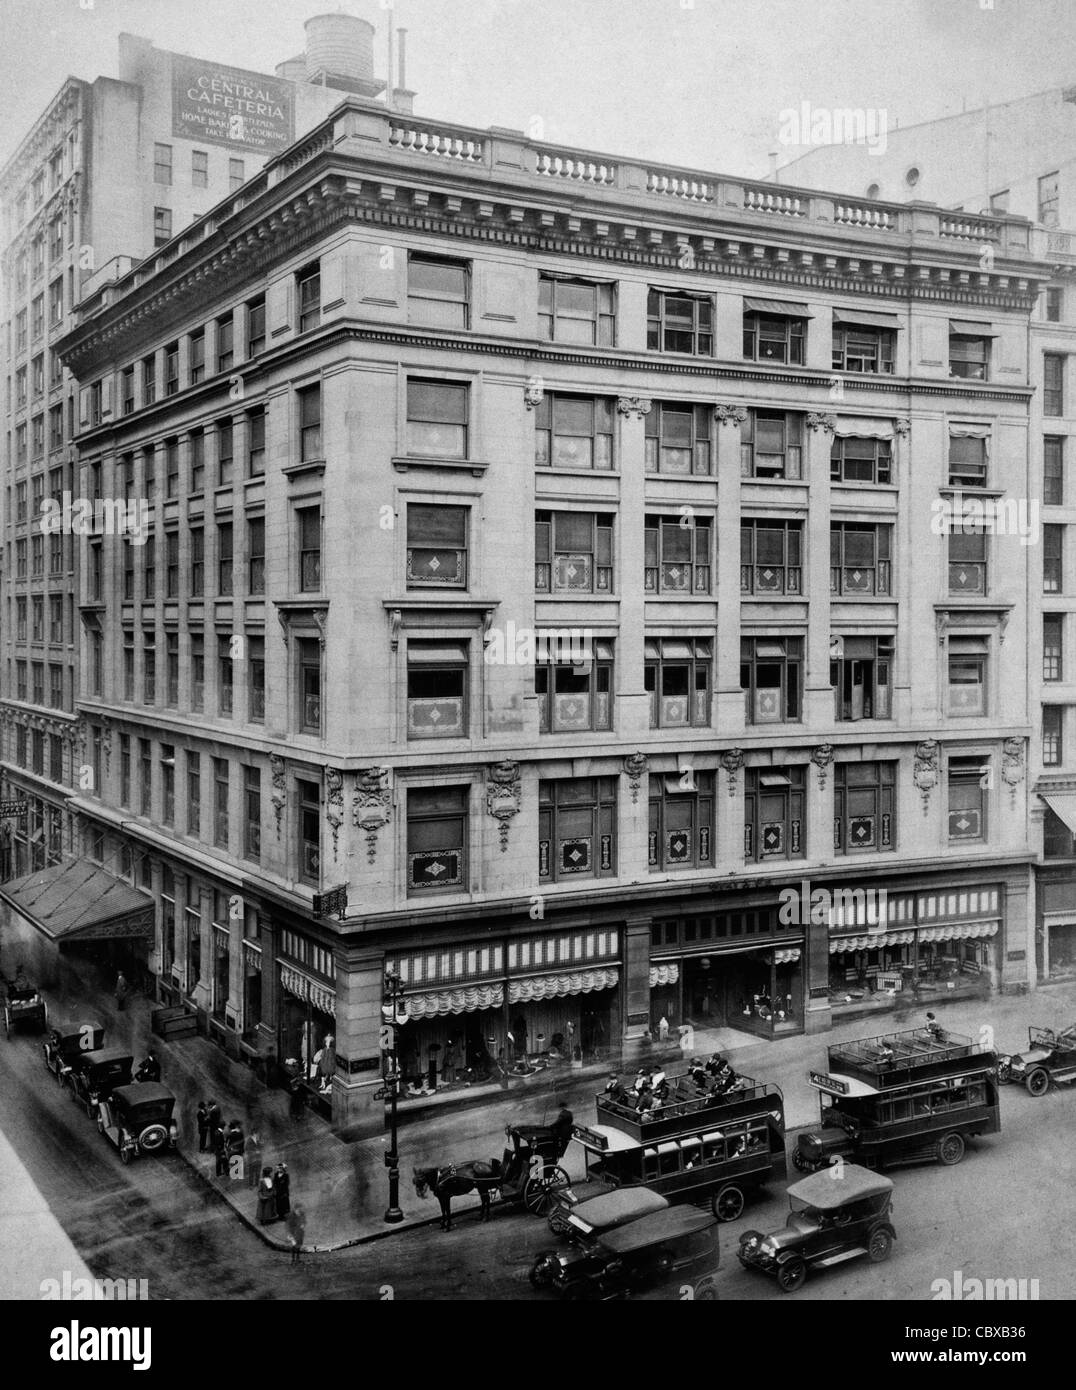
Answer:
(934, 1028)
(562, 1127)
(614, 1089)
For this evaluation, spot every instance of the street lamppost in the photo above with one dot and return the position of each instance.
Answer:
(393, 995)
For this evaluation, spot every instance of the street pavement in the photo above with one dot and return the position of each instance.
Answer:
(1026, 1171)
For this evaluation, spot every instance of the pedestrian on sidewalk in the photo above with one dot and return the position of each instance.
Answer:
(266, 1198)
(448, 1063)
(282, 1189)
(202, 1121)
(218, 1143)
(296, 1223)
(121, 991)
(296, 1104)
(252, 1156)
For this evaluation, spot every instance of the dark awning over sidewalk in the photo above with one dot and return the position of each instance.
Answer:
(80, 902)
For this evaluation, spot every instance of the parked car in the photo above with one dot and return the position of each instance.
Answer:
(1050, 1056)
(24, 1008)
(67, 1042)
(588, 1216)
(138, 1119)
(677, 1246)
(837, 1214)
(96, 1075)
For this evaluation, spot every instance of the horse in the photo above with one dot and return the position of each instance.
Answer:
(456, 1180)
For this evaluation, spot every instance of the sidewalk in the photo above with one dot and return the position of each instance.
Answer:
(343, 1187)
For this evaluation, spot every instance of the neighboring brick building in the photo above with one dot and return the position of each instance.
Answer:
(486, 399)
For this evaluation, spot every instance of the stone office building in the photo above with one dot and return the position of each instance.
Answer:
(574, 555)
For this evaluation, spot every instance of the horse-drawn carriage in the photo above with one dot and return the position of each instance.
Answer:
(528, 1173)
(24, 1007)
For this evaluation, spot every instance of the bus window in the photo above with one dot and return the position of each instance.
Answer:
(650, 1164)
(977, 1093)
(713, 1147)
(668, 1159)
(900, 1110)
(691, 1151)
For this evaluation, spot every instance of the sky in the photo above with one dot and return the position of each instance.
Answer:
(696, 83)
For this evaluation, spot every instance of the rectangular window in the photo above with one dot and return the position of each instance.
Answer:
(225, 452)
(1053, 383)
(574, 690)
(860, 671)
(149, 568)
(773, 338)
(1053, 651)
(677, 559)
(196, 443)
(969, 356)
(967, 782)
(225, 677)
(162, 226)
(310, 446)
(128, 667)
(1053, 471)
(221, 792)
(1052, 735)
(149, 380)
(859, 559)
(225, 343)
(1053, 553)
(437, 681)
(252, 819)
(576, 829)
(256, 680)
(309, 658)
(967, 559)
(127, 391)
(437, 415)
(860, 460)
(1049, 198)
(162, 164)
(574, 431)
(125, 770)
(199, 169)
(194, 793)
(436, 546)
(197, 356)
(573, 552)
(680, 323)
(56, 618)
(771, 674)
(37, 317)
(145, 777)
(771, 558)
(309, 526)
(256, 555)
(149, 667)
(197, 672)
(56, 679)
(774, 826)
(20, 680)
(171, 674)
(437, 838)
(256, 326)
(255, 443)
(171, 467)
(576, 311)
(308, 286)
(1053, 304)
(309, 827)
(236, 174)
(197, 562)
(168, 784)
(860, 348)
(438, 291)
(864, 807)
(771, 445)
(679, 439)
(171, 369)
(681, 830)
(967, 675)
(225, 559)
(967, 461)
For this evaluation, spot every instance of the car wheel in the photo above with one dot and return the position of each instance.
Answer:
(951, 1149)
(727, 1204)
(705, 1292)
(540, 1276)
(791, 1275)
(1038, 1082)
(153, 1138)
(800, 1163)
(880, 1245)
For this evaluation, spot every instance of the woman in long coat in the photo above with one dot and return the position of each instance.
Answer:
(282, 1188)
(266, 1198)
(252, 1155)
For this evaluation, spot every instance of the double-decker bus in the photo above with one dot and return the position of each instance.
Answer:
(902, 1098)
(694, 1147)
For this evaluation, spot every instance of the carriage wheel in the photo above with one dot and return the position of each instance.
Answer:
(537, 1192)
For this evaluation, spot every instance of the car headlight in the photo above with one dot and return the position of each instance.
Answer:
(768, 1248)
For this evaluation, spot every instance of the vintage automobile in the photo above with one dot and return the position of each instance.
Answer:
(593, 1215)
(837, 1214)
(67, 1042)
(676, 1246)
(24, 1009)
(97, 1074)
(138, 1119)
(1050, 1056)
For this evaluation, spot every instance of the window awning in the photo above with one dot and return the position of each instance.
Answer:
(863, 427)
(552, 986)
(972, 330)
(967, 931)
(871, 942)
(309, 990)
(664, 974)
(865, 318)
(453, 1001)
(1063, 805)
(962, 431)
(80, 902)
(778, 308)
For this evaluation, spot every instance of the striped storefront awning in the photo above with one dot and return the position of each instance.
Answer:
(491, 996)
(788, 955)
(871, 942)
(306, 988)
(955, 931)
(453, 1001)
(552, 986)
(667, 974)
(966, 931)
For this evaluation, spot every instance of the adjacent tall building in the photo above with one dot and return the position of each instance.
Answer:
(566, 582)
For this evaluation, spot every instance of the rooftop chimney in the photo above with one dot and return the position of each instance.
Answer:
(403, 99)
